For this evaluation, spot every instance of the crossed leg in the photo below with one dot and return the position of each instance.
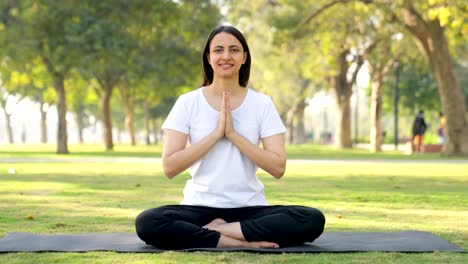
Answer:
(231, 235)
(177, 226)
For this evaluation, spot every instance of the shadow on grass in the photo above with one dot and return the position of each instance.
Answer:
(405, 190)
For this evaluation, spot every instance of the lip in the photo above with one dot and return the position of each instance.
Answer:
(226, 65)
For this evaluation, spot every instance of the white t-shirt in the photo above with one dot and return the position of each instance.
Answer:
(224, 177)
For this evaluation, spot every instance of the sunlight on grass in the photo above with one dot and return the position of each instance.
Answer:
(36, 187)
(307, 151)
(377, 169)
(85, 197)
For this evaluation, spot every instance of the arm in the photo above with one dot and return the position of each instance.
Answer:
(272, 158)
(176, 157)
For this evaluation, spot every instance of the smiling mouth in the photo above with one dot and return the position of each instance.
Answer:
(226, 66)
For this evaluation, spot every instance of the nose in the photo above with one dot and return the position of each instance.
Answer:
(225, 55)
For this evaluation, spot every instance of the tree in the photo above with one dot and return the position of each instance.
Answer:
(428, 24)
(47, 30)
(105, 46)
(379, 61)
(40, 91)
(12, 88)
(5, 98)
(343, 46)
(279, 67)
(175, 67)
(82, 101)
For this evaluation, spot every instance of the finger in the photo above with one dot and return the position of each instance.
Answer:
(228, 112)
(228, 102)
(223, 102)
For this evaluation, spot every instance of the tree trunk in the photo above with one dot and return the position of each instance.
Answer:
(343, 91)
(9, 131)
(106, 114)
(290, 124)
(300, 136)
(432, 42)
(452, 98)
(343, 126)
(23, 134)
(155, 131)
(7, 120)
(62, 140)
(80, 115)
(95, 135)
(129, 116)
(147, 125)
(376, 135)
(43, 136)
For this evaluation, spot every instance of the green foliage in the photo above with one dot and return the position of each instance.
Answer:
(460, 72)
(163, 108)
(417, 90)
(152, 46)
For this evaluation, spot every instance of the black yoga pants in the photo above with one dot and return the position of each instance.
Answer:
(180, 226)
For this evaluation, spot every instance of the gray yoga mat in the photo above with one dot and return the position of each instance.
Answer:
(406, 241)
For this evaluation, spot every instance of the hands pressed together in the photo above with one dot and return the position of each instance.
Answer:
(225, 127)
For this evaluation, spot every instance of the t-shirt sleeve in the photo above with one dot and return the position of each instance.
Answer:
(271, 123)
(178, 118)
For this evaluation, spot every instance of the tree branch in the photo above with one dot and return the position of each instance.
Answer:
(327, 6)
(359, 63)
(318, 12)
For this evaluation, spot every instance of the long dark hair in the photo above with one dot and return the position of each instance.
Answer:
(207, 71)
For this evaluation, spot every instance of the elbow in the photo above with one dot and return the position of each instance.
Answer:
(278, 174)
(279, 171)
(168, 171)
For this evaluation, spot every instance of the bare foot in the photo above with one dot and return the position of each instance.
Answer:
(229, 242)
(214, 224)
(262, 244)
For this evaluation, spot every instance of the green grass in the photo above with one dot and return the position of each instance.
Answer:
(106, 197)
(78, 151)
(306, 151)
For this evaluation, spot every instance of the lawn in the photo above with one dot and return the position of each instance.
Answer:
(79, 197)
(307, 151)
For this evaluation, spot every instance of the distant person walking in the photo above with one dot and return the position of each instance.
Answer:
(419, 128)
(441, 129)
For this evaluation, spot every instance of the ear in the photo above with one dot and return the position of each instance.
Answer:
(208, 57)
(245, 57)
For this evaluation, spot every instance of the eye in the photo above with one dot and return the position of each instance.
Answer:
(234, 50)
(218, 50)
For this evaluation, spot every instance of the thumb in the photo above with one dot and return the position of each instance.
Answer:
(226, 101)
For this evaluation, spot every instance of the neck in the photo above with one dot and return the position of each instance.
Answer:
(218, 86)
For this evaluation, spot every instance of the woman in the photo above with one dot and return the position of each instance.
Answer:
(224, 203)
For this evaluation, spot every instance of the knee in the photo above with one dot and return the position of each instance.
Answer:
(317, 216)
(317, 220)
(313, 221)
(143, 223)
(148, 223)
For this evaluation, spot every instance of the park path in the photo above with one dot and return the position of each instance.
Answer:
(157, 160)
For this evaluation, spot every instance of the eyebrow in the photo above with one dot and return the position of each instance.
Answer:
(232, 46)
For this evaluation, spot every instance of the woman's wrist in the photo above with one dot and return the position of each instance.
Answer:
(231, 135)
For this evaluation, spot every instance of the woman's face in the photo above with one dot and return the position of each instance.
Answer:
(226, 56)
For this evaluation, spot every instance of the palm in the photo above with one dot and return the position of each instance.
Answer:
(225, 126)
(229, 128)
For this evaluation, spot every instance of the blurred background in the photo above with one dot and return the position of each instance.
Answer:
(344, 73)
